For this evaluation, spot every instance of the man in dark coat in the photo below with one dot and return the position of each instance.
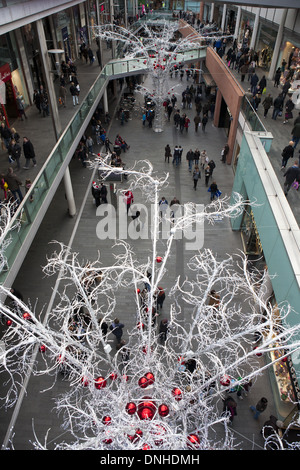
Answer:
(292, 174)
(296, 133)
(287, 153)
(14, 184)
(29, 153)
(278, 105)
(96, 193)
(103, 192)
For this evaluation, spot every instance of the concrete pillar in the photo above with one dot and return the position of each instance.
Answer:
(212, 9)
(54, 110)
(277, 45)
(201, 11)
(48, 79)
(69, 193)
(105, 102)
(255, 29)
(223, 23)
(237, 23)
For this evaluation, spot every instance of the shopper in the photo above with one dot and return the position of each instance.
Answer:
(260, 407)
(292, 174)
(14, 183)
(29, 153)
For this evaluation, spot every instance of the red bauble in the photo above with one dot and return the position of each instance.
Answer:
(143, 382)
(146, 447)
(259, 353)
(193, 441)
(113, 376)
(106, 420)
(9, 322)
(146, 410)
(150, 377)
(177, 393)
(26, 316)
(225, 380)
(107, 441)
(42, 348)
(100, 382)
(140, 325)
(163, 410)
(85, 381)
(158, 259)
(138, 291)
(131, 408)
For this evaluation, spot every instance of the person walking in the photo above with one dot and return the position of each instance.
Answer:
(103, 191)
(167, 153)
(289, 106)
(207, 174)
(163, 207)
(163, 330)
(260, 407)
(15, 152)
(128, 196)
(296, 134)
(230, 406)
(204, 122)
(278, 105)
(213, 189)
(6, 134)
(287, 153)
(277, 77)
(96, 193)
(14, 183)
(63, 95)
(29, 153)
(197, 121)
(74, 93)
(267, 103)
(190, 159)
(292, 174)
(224, 153)
(203, 159)
(117, 329)
(196, 176)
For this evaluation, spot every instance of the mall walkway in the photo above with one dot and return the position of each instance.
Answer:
(80, 234)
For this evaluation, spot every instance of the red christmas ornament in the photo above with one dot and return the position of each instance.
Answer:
(177, 393)
(146, 447)
(138, 291)
(131, 408)
(100, 382)
(113, 376)
(42, 348)
(150, 377)
(259, 353)
(158, 259)
(85, 381)
(9, 322)
(26, 316)
(106, 420)
(140, 325)
(225, 380)
(107, 441)
(146, 410)
(193, 441)
(143, 382)
(163, 410)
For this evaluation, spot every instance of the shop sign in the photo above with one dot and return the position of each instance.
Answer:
(5, 73)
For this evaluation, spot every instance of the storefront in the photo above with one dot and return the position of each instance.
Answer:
(9, 105)
(265, 43)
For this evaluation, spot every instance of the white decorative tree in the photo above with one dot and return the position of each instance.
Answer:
(155, 391)
(161, 49)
